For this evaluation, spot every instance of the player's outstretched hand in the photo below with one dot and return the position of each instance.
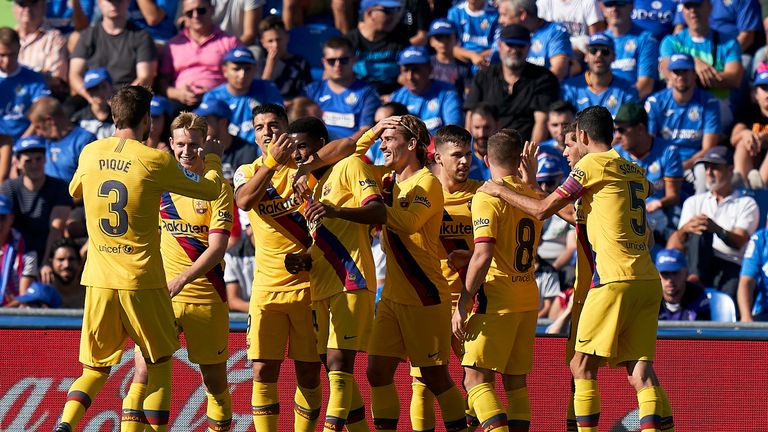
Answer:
(298, 262)
(457, 322)
(491, 188)
(174, 286)
(212, 146)
(529, 163)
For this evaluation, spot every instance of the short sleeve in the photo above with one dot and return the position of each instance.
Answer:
(751, 266)
(360, 180)
(673, 167)
(560, 43)
(485, 218)
(748, 16)
(667, 47)
(649, 58)
(711, 116)
(688, 212)
(145, 47)
(651, 107)
(749, 216)
(221, 211)
(593, 13)
(584, 175)
(732, 52)
(244, 173)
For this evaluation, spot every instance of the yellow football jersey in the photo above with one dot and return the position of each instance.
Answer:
(341, 253)
(612, 193)
(120, 181)
(510, 285)
(456, 230)
(278, 228)
(185, 224)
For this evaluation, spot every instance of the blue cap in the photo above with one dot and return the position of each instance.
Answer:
(413, 55)
(681, 62)
(6, 205)
(367, 4)
(441, 26)
(761, 78)
(670, 260)
(158, 106)
(43, 293)
(549, 166)
(30, 143)
(94, 77)
(239, 55)
(216, 108)
(600, 39)
(515, 34)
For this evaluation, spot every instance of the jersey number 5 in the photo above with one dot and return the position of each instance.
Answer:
(637, 203)
(117, 204)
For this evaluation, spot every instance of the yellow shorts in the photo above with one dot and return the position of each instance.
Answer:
(500, 342)
(343, 321)
(277, 318)
(419, 333)
(111, 316)
(206, 329)
(619, 321)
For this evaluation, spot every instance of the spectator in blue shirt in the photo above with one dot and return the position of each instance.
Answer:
(476, 21)
(734, 19)
(348, 104)
(598, 85)
(242, 92)
(637, 51)
(655, 16)
(717, 58)
(550, 42)
(436, 103)
(445, 67)
(661, 163)
(752, 294)
(483, 123)
(64, 141)
(157, 17)
(682, 300)
(67, 16)
(685, 116)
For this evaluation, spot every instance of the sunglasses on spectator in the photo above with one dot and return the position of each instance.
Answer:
(691, 5)
(621, 130)
(332, 61)
(200, 11)
(604, 51)
(763, 87)
(387, 10)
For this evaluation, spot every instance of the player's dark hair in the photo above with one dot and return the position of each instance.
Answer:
(569, 128)
(9, 36)
(64, 243)
(562, 107)
(339, 42)
(486, 110)
(452, 134)
(596, 121)
(272, 22)
(312, 126)
(505, 147)
(129, 106)
(270, 108)
(397, 108)
(412, 127)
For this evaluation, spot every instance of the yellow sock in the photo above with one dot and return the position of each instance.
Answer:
(518, 410)
(651, 409)
(570, 415)
(452, 407)
(157, 404)
(482, 398)
(81, 394)
(385, 407)
(306, 408)
(667, 421)
(265, 406)
(339, 400)
(422, 407)
(586, 404)
(133, 419)
(219, 412)
(356, 421)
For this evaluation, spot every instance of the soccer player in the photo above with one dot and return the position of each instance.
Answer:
(193, 240)
(500, 273)
(619, 318)
(343, 275)
(280, 309)
(120, 182)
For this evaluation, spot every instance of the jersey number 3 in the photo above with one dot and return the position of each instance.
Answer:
(117, 193)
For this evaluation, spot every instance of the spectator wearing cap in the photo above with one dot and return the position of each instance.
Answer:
(38, 296)
(157, 17)
(41, 204)
(661, 162)
(236, 150)
(376, 46)
(682, 300)
(520, 91)
(67, 265)
(738, 20)
(753, 281)
(64, 141)
(598, 85)
(717, 58)
(242, 92)
(750, 135)
(560, 114)
(43, 49)
(476, 22)
(483, 123)
(190, 63)
(347, 103)
(69, 16)
(550, 41)
(290, 73)
(715, 226)
(655, 16)
(636, 50)
(685, 116)
(96, 118)
(445, 66)
(18, 268)
(582, 18)
(159, 111)
(127, 51)
(436, 103)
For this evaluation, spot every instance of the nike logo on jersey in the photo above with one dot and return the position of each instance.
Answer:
(349, 337)
(221, 351)
(163, 207)
(584, 340)
(433, 355)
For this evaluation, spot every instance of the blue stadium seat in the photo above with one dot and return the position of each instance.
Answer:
(722, 306)
(761, 196)
(307, 41)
